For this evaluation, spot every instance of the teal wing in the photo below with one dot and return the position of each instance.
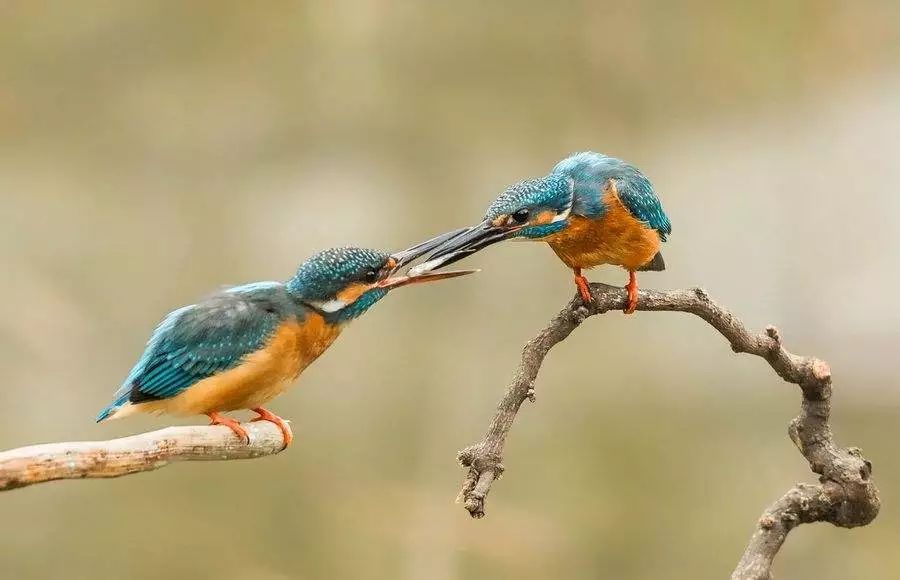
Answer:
(590, 172)
(197, 342)
(637, 195)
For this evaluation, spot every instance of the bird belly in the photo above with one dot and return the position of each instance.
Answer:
(260, 377)
(615, 238)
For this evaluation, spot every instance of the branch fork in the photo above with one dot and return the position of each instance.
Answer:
(845, 496)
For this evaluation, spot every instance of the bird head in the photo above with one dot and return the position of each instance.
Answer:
(343, 283)
(530, 210)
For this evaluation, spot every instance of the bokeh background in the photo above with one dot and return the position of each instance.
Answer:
(151, 152)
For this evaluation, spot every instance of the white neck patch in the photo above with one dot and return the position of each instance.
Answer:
(330, 306)
(565, 215)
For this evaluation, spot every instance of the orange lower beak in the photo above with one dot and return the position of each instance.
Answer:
(407, 279)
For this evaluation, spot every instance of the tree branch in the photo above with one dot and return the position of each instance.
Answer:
(144, 452)
(846, 495)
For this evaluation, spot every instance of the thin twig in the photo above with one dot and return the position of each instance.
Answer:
(145, 452)
(846, 495)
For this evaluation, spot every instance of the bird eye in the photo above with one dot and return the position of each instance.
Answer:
(371, 277)
(521, 216)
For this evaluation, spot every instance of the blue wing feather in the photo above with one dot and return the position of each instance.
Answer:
(637, 195)
(591, 171)
(201, 340)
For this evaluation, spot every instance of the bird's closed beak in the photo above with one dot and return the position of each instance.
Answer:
(409, 255)
(464, 243)
(404, 257)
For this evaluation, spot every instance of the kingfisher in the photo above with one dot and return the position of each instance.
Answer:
(591, 209)
(242, 346)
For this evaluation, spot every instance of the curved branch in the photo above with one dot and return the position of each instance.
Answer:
(144, 452)
(846, 495)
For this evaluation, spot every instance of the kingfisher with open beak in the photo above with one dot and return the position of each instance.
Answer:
(241, 347)
(591, 209)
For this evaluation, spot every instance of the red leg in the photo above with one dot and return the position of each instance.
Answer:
(583, 287)
(266, 415)
(632, 288)
(219, 419)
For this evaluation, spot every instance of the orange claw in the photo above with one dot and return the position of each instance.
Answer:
(632, 288)
(583, 287)
(219, 419)
(266, 415)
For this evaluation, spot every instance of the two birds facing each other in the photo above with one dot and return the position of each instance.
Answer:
(240, 348)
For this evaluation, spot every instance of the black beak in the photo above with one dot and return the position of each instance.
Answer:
(466, 243)
(409, 255)
(402, 258)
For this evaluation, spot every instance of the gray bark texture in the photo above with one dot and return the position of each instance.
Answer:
(845, 495)
(144, 452)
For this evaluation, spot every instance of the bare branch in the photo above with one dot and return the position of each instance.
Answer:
(145, 452)
(846, 495)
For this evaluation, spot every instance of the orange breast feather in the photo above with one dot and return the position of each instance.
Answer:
(616, 238)
(260, 377)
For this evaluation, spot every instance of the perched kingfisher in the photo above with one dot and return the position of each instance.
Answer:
(591, 209)
(243, 346)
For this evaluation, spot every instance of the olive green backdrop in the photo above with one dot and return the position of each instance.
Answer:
(150, 152)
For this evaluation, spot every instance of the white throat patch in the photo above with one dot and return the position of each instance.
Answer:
(330, 306)
(565, 215)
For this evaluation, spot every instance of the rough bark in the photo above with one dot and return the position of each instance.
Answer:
(845, 496)
(144, 452)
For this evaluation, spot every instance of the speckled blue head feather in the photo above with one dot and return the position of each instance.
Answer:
(550, 193)
(323, 276)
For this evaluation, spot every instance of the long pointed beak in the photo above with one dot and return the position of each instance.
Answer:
(407, 279)
(408, 255)
(404, 257)
(466, 243)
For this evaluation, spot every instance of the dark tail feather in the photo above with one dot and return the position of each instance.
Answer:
(121, 398)
(105, 413)
(657, 264)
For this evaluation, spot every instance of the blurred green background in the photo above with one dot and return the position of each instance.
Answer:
(152, 151)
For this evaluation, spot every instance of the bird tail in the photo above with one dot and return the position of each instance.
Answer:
(108, 413)
(114, 409)
(656, 264)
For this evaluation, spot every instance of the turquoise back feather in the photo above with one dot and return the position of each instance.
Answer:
(216, 334)
(591, 171)
(203, 339)
(576, 185)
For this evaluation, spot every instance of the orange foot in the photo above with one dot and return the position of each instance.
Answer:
(219, 419)
(632, 288)
(266, 415)
(583, 287)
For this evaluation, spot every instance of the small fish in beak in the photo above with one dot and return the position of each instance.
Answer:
(410, 255)
(464, 243)
(418, 275)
